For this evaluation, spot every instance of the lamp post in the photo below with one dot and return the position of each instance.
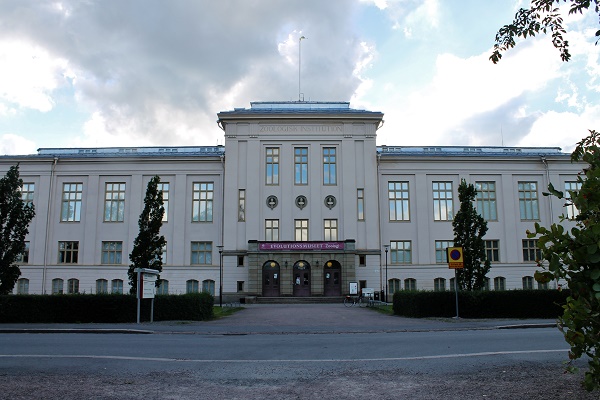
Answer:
(387, 284)
(220, 276)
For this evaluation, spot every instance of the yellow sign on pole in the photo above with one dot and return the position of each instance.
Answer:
(455, 257)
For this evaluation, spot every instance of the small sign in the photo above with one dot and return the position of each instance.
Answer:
(455, 257)
(148, 286)
(353, 288)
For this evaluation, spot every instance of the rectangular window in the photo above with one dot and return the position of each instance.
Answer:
(201, 253)
(362, 260)
(23, 286)
(68, 252)
(272, 230)
(301, 230)
(572, 211)
(272, 163)
(164, 188)
(531, 251)
(71, 202)
(112, 252)
(164, 255)
(360, 202)
(191, 286)
(202, 201)
(499, 283)
(486, 200)
(240, 261)
(23, 258)
(398, 201)
(101, 286)
(492, 250)
(27, 191)
(163, 287)
(73, 286)
(440, 250)
(528, 201)
(331, 230)
(301, 165)
(116, 286)
(329, 166)
(527, 282)
(241, 205)
(114, 202)
(439, 284)
(443, 207)
(240, 286)
(57, 286)
(400, 252)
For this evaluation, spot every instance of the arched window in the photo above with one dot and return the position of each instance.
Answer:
(410, 284)
(101, 286)
(528, 282)
(23, 286)
(394, 286)
(73, 286)
(499, 283)
(191, 286)
(163, 287)
(542, 286)
(439, 284)
(208, 286)
(116, 286)
(57, 286)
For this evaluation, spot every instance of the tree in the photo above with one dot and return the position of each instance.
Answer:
(15, 216)
(148, 245)
(575, 257)
(469, 230)
(542, 16)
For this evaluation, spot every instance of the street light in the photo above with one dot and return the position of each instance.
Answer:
(220, 276)
(387, 284)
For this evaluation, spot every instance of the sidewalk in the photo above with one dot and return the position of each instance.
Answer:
(288, 319)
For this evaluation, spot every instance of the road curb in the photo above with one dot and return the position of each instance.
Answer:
(101, 331)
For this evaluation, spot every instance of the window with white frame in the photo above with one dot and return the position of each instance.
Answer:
(398, 201)
(301, 165)
(114, 202)
(27, 192)
(360, 203)
(271, 230)
(570, 187)
(499, 283)
(486, 200)
(191, 286)
(101, 286)
(531, 251)
(73, 286)
(528, 282)
(329, 166)
(68, 252)
(439, 284)
(272, 165)
(23, 258)
(410, 284)
(242, 205)
(400, 252)
(301, 230)
(528, 201)
(201, 253)
(330, 230)
(112, 252)
(202, 201)
(71, 202)
(492, 250)
(441, 255)
(23, 286)
(208, 286)
(57, 286)
(164, 188)
(443, 203)
(116, 286)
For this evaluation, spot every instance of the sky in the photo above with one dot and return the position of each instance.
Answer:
(106, 73)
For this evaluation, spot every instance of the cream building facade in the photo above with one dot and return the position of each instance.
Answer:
(300, 201)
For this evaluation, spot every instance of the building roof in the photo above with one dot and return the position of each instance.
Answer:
(477, 151)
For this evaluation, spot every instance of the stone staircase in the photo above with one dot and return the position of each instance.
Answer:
(299, 300)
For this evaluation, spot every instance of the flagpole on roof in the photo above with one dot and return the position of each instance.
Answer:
(299, 66)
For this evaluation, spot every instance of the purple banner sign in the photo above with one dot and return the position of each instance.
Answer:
(301, 246)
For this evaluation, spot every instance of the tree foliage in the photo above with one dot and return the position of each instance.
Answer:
(469, 230)
(148, 245)
(543, 16)
(575, 257)
(15, 217)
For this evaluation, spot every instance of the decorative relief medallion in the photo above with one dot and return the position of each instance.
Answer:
(330, 201)
(301, 202)
(272, 202)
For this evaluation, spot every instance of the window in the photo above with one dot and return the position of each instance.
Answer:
(400, 252)
(398, 201)
(528, 282)
(164, 257)
(393, 286)
(272, 163)
(439, 284)
(531, 251)
(362, 260)
(499, 283)
(410, 284)
(241, 205)
(240, 286)
(27, 191)
(68, 252)
(331, 230)
(163, 287)
(112, 252)
(73, 286)
(442, 201)
(114, 202)
(486, 200)
(191, 286)
(271, 230)
(441, 255)
(240, 261)
(528, 201)
(71, 202)
(542, 286)
(23, 258)
(57, 286)
(486, 283)
(360, 203)
(301, 165)
(202, 201)
(101, 286)
(164, 188)
(329, 166)
(492, 250)
(301, 230)
(116, 286)
(23, 286)
(208, 286)
(452, 283)
(572, 211)
(201, 253)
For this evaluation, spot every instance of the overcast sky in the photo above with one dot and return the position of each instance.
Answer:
(94, 73)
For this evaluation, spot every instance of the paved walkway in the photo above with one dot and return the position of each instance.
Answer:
(288, 319)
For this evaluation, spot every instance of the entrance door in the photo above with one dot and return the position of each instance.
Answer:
(301, 279)
(332, 282)
(270, 279)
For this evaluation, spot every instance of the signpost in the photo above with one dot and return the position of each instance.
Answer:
(455, 261)
(146, 279)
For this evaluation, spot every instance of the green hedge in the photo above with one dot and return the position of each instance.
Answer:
(481, 304)
(103, 308)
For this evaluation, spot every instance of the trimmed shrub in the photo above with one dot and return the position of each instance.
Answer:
(481, 304)
(102, 308)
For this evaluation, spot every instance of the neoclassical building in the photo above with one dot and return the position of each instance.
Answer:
(300, 201)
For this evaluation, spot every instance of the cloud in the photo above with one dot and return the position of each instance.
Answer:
(16, 145)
